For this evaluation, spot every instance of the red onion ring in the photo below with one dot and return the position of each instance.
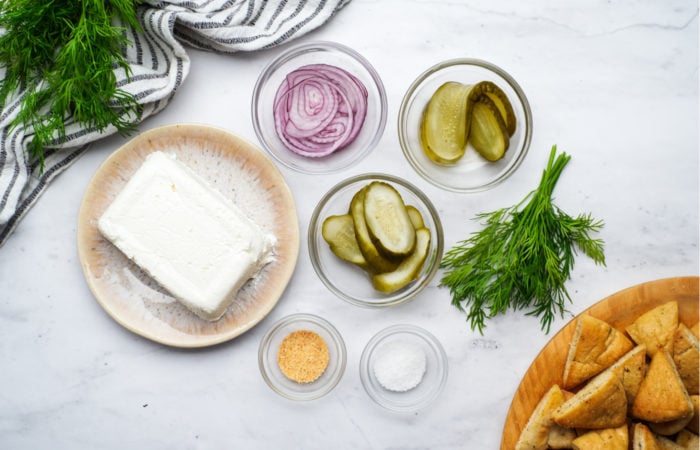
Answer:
(319, 109)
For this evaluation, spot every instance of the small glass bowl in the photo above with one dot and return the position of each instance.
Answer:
(434, 378)
(350, 282)
(314, 53)
(273, 376)
(472, 173)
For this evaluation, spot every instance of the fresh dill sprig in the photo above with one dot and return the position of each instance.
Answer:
(64, 53)
(523, 256)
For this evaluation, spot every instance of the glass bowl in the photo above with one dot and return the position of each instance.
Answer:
(472, 173)
(350, 282)
(432, 382)
(319, 53)
(273, 376)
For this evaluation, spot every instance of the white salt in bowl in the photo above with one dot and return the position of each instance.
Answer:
(391, 395)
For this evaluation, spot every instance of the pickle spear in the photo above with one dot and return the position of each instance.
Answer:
(388, 222)
(416, 216)
(377, 262)
(500, 99)
(488, 135)
(339, 233)
(445, 123)
(409, 268)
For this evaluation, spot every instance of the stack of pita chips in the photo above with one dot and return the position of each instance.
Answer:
(636, 388)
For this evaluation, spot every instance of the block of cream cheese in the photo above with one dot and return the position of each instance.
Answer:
(187, 236)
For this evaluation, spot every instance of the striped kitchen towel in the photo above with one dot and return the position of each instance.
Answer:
(159, 64)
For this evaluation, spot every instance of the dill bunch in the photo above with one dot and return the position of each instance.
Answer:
(63, 53)
(523, 256)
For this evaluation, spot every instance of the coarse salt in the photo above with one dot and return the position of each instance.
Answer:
(399, 366)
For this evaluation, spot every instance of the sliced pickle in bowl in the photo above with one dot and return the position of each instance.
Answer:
(445, 123)
(500, 100)
(387, 219)
(416, 216)
(381, 235)
(489, 135)
(459, 114)
(377, 262)
(339, 233)
(409, 268)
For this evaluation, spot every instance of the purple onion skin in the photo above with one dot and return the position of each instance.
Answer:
(319, 109)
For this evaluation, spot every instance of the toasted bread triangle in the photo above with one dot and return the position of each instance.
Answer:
(687, 358)
(643, 438)
(536, 431)
(630, 369)
(560, 437)
(601, 403)
(595, 346)
(606, 439)
(662, 397)
(656, 328)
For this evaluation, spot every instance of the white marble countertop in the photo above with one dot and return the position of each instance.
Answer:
(614, 84)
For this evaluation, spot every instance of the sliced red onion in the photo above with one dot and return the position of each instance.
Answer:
(319, 109)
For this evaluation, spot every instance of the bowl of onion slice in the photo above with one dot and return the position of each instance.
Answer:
(319, 107)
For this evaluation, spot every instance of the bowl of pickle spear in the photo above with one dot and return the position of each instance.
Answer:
(465, 125)
(375, 240)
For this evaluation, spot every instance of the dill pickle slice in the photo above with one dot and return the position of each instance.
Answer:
(488, 133)
(376, 261)
(500, 100)
(449, 122)
(387, 220)
(415, 216)
(445, 125)
(339, 233)
(409, 268)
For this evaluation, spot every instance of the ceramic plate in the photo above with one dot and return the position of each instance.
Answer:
(619, 310)
(238, 170)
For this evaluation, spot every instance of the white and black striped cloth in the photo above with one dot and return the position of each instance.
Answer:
(159, 64)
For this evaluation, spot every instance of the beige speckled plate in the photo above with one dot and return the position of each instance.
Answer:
(240, 171)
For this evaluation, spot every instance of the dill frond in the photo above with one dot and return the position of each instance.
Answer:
(522, 257)
(63, 54)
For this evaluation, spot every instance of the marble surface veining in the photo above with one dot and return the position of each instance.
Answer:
(613, 83)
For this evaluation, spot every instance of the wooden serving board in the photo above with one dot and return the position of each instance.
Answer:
(619, 310)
